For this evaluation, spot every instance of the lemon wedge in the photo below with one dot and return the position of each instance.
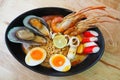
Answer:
(59, 41)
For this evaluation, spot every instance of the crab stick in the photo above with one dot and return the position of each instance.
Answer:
(88, 44)
(89, 39)
(90, 33)
(91, 49)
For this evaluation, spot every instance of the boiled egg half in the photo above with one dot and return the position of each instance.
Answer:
(35, 56)
(60, 63)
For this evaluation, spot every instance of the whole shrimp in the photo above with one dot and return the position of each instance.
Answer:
(71, 19)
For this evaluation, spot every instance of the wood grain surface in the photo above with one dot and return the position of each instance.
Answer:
(108, 68)
(112, 3)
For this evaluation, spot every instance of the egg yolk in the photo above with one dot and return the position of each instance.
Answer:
(66, 68)
(58, 61)
(36, 54)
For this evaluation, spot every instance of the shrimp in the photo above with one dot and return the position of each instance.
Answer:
(53, 21)
(78, 22)
(84, 25)
(55, 24)
(49, 19)
(71, 19)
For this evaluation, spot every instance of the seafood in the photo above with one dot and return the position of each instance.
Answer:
(37, 24)
(89, 44)
(74, 43)
(71, 19)
(90, 33)
(49, 19)
(86, 24)
(89, 39)
(24, 35)
(91, 49)
(74, 22)
(55, 24)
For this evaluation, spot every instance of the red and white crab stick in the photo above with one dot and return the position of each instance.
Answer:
(91, 49)
(90, 33)
(89, 39)
(89, 44)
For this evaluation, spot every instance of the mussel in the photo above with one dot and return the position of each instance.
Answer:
(22, 34)
(37, 24)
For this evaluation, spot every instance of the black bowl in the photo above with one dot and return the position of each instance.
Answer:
(17, 52)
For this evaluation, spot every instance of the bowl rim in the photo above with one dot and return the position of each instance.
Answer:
(6, 41)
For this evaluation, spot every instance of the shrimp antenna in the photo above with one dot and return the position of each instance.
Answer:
(89, 8)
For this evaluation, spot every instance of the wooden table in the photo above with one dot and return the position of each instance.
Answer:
(108, 68)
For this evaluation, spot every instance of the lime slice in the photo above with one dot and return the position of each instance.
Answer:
(59, 41)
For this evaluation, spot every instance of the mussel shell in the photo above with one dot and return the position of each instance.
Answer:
(27, 24)
(25, 34)
(13, 38)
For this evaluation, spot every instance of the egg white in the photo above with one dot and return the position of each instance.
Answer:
(65, 67)
(30, 61)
